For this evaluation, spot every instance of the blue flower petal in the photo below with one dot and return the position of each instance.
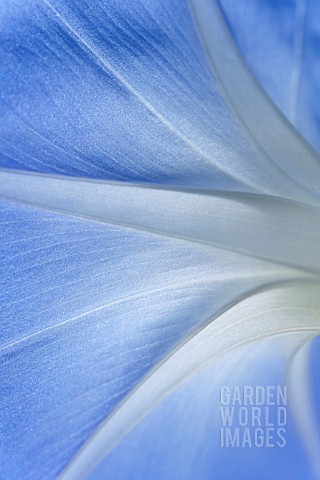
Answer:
(284, 309)
(106, 314)
(121, 91)
(181, 437)
(283, 53)
(87, 310)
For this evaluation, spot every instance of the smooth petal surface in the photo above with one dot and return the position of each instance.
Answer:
(87, 310)
(273, 134)
(269, 312)
(204, 217)
(122, 299)
(121, 91)
(304, 387)
(291, 76)
(185, 428)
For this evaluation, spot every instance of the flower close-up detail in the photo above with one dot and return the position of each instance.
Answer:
(160, 239)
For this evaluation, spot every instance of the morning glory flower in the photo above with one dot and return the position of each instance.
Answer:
(160, 185)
